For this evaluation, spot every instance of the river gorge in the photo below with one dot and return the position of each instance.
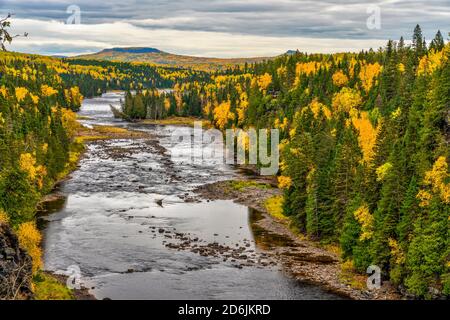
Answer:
(128, 207)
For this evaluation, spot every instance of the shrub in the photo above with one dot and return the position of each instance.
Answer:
(30, 240)
(3, 217)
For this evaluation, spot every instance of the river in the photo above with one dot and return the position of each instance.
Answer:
(126, 204)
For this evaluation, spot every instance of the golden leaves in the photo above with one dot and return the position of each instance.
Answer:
(365, 219)
(3, 217)
(306, 68)
(264, 81)
(34, 98)
(339, 79)
(431, 62)
(284, 182)
(424, 197)
(4, 91)
(21, 93)
(282, 125)
(383, 170)
(69, 121)
(437, 178)
(397, 113)
(396, 252)
(316, 107)
(346, 99)
(367, 135)
(36, 174)
(222, 114)
(282, 71)
(435, 183)
(76, 96)
(48, 91)
(30, 240)
(166, 104)
(368, 74)
(27, 163)
(242, 107)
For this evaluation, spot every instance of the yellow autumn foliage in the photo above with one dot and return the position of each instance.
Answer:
(264, 81)
(166, 104)
(27, 164)
(383, 170)
(317, 107)
(21, 93)
(368, 74)
(242, 107)
(34, 98)
(222, 114)
(3, 217)
(69, 121)
(48, 91)
(274, 206)
(281, 71)
(4, 91)
(284, 182)
(367, 135)
(397, 113)
(431, 62)
(36, 174)
(340, 79)
(282, 125)
(365, 219)
(305, 68)
(437, 178)
(424, 197)
(396, 252)
(30, 240)
(346, 99)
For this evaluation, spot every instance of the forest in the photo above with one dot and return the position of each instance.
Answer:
(364, 150)
(364, 155)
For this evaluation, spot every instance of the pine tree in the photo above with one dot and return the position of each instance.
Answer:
(437, 43)
(417, 42)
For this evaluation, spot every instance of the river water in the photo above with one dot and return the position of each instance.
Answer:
(126, 203)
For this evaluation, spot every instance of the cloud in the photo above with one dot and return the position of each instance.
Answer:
(260, 26)
(51, 37)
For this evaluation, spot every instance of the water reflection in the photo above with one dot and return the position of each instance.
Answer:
(125, 223)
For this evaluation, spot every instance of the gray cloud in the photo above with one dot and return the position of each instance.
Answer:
(319, 19)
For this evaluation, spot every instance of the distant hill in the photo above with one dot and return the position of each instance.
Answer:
(158, 57)
(291, 52)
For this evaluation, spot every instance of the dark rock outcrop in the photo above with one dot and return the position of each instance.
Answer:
(15, 267)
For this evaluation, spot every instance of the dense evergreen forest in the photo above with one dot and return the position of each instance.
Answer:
(364, 153)
(38, 97)
(364, 150)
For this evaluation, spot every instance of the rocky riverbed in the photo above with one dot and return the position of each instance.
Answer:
(130, 220)
(305, 260)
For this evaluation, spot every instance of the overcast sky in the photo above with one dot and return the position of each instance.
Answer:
(220, 28)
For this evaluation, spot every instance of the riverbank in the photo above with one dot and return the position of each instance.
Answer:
(305, 260)
(49, 285)
(178, 121)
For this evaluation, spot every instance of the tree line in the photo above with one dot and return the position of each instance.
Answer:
(364, 155)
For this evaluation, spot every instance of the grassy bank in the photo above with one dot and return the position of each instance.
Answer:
(179, 121)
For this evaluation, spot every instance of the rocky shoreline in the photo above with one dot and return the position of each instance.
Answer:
(276, 244)
(305, 260)
(15, 267)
